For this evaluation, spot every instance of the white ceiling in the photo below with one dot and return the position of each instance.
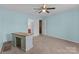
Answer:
(28, 8)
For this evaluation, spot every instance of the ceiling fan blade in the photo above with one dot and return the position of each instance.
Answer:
(40, 12)
(51, 8)
(37, 8)
(44, 5)
(47, 11)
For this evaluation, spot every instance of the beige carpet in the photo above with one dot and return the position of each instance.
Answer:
(48, 45)
(14, 50)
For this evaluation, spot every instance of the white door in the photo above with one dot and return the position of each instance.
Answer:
(36, 27)
(44, 27)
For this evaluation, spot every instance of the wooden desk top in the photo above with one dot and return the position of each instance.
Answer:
(22, 33)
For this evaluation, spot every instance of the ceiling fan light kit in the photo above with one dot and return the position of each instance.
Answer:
(43, 10)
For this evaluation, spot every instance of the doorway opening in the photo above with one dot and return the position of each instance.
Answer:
(40, 27)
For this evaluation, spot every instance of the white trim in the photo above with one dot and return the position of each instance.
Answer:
(62, 38)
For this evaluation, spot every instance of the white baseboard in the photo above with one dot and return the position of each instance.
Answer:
(62, 38)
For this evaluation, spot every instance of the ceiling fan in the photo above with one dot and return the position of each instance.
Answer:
(44, 8)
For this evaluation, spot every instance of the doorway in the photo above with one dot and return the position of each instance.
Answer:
(40, 27)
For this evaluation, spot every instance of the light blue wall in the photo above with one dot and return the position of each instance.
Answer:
(64, 25)
(11, 22)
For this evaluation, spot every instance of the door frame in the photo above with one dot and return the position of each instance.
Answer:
(36, 27)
